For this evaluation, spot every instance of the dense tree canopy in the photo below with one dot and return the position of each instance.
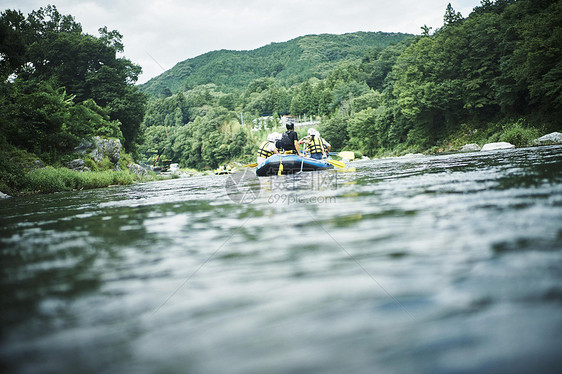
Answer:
(501, 62)
(60, 85)
(494, 75)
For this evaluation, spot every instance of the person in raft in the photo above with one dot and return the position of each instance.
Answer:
(290, 140)
(278, 143)
(267, 148)
(317, 146)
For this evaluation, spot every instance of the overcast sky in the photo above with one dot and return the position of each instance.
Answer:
(160, 33)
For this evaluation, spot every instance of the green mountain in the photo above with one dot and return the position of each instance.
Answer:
(289, 62)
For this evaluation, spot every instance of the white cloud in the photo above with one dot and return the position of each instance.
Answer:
(173, 30)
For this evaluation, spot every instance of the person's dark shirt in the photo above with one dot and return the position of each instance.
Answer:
(289, 142)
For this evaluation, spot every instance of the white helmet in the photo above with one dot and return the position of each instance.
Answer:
(278, 136)
(271, 137)
(311, 131)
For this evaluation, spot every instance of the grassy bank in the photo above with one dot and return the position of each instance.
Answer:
(50, 179)
(518, 133)
(23, 173)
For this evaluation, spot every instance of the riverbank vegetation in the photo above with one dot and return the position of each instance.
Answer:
(22, 173)
(492, 76)
(58, 87)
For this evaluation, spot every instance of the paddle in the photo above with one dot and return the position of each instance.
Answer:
(250, 165)
(337, 164)
(280, 165)
(302, 159)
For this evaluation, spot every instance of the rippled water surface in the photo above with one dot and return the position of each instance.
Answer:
(444, 264)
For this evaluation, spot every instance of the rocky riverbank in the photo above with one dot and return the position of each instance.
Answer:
(553, 138)
(97, 163)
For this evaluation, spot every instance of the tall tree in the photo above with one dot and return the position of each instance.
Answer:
(49, 46)
(451, 16)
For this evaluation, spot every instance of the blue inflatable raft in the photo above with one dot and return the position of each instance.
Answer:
(291, 164)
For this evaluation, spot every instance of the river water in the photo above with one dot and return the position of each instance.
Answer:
(427, 264)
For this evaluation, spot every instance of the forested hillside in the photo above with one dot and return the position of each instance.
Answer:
(289, 62)
(494, 75)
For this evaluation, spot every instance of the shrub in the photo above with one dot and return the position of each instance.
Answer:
(91, 164)
(125, 160)
(105, 164)
(518, 134)
(44, 180)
